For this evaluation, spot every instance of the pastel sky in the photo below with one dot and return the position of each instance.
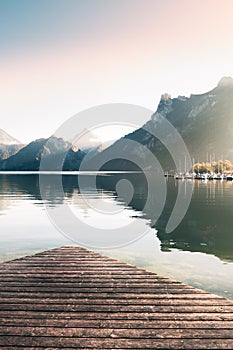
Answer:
(59, 57)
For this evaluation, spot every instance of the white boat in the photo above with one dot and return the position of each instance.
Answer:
(204, 176)
(179, 176)
(189, 175)
(220, 177)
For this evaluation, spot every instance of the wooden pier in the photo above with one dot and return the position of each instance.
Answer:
(73, 298)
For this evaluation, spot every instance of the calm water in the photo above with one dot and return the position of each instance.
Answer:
(199, 251)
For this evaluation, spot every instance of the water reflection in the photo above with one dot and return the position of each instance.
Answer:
(208, 224)
(206, 227)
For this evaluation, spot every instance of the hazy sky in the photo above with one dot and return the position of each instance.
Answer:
(58, 57)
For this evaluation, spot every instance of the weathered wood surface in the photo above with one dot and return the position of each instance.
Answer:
(73, 298)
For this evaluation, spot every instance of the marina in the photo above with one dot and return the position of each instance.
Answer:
(210, 170)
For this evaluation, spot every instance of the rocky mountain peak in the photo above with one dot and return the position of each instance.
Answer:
(225, 82)
(165, 96)
(165, 105)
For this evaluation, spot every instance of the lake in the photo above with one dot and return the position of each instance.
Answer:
(36, 214)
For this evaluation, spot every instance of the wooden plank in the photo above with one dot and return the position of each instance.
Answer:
(116, 295)
(127, 301)
(114, 308)
(65, 289)
(112, 323)
(73, 283)
(70, 298)
(194, 316)
(106, 343)
(109, 332)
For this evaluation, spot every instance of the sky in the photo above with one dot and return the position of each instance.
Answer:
(60, 57)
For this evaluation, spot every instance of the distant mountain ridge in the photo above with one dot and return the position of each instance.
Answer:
(7, 151)
(8, 145)
(204, 121)
(6, 139)
(52, 150)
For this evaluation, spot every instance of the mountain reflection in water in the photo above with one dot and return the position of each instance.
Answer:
(205, 229)
(208, 224)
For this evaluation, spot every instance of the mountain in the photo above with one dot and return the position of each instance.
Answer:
(87, 141)
(204, 121)
(8, 145)
(7, 151)
(52, 149)
(90, 143)
(6, 139)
